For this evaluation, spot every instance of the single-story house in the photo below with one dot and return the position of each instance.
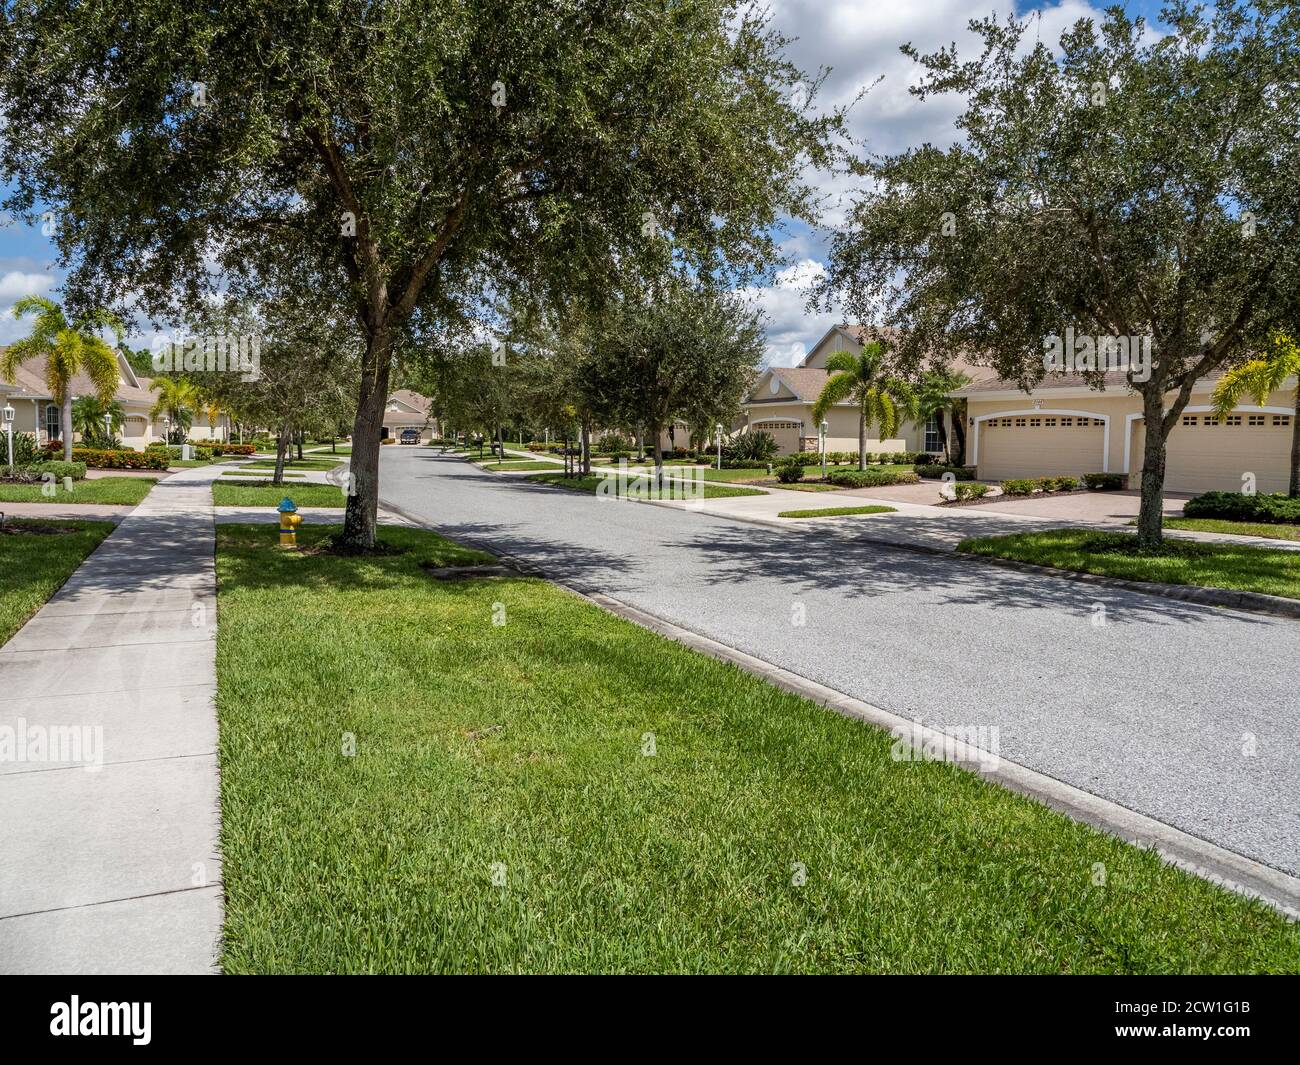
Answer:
(36, 413)
(408, 410)
(1063, 427)
(782, 400)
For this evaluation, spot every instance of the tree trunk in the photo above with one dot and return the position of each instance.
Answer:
(1294, 489)
(655, 430)
(297, 439)
(942, 423)
(1151, 513)
(281, 447)
(586, 449)
(67, 427)
(359, 523)
(959, 434)
(862, 439)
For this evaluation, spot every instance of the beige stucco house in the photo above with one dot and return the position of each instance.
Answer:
(36, 413)
(1063, 427)
(408, 410)
(782, 399)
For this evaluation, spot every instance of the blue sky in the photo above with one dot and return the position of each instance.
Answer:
(858, 40)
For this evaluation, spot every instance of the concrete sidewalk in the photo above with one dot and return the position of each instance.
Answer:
(109, 859)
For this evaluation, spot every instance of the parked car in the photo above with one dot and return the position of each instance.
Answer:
(410, 436)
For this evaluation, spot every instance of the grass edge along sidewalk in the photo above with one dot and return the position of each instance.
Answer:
(674, 488)
(461, 788)
(37, 564)
(1231, 567)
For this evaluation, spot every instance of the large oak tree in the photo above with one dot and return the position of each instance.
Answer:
(1136, 184)
(414, 152)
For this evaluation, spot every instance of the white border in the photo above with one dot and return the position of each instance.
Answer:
(1105, 431)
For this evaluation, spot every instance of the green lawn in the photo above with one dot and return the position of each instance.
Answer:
(35, 566)
(1273, 571)
(255, 474)
(1236, 528)
(521, 464)
(295, 464)
(588, 484)
(835, 512)
(127, 491)
(499, 814)
(266, 494)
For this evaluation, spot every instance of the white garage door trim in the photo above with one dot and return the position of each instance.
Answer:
(1201, 409)
(1034, 411)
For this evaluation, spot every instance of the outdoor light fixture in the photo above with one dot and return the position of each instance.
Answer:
(718, 428)
(825, 428)
(9, 432)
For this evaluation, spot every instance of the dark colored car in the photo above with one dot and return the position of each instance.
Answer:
(410, 436)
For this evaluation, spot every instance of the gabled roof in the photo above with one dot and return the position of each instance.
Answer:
(416, 402)
(29, 378)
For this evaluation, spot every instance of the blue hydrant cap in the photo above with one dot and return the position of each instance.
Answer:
(286, 506)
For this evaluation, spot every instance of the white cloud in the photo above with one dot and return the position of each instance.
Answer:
(16, 283)
(791, 330)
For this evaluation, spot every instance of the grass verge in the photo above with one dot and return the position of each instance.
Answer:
(589, 484)
(567, 792)
(1272, 571)
(37, 560)
(266, 494)
(123, 491)
(520, 464)
(835, 512)
(1235, 528)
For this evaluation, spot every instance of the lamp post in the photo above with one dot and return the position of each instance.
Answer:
(718, 429)
(824, 428)
(108, 428)
(167, 430)
(9, 430)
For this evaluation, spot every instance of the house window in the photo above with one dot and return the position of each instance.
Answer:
(1189, 419)
(1006, 423)
(1234, 419)
(1255, 419)
(932, 440)
(52, 422)
(1281, 419)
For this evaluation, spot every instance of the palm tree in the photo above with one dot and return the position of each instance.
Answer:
(932, 399)
(214, 411)
(178, 398)
(1258, 379)
(878, 396)
(68, 348)
(88, 419)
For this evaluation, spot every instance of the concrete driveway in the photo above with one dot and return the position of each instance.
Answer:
(1187, 714)
(1119, 507)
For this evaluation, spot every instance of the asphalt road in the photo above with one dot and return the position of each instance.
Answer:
(1187, 714)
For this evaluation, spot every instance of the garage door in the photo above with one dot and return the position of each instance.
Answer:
(1040, 445)
(786, 434)
(1211, 454)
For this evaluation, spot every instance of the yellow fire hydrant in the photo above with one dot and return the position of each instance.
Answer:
(290, 519)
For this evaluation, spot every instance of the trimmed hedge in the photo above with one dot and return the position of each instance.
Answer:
(1024, 486)
(790, 470)
(1103, 482)
(960, 473)
(870, 478)
(1276, 509)
(1019, 486)
(75, 470)
(98, 459)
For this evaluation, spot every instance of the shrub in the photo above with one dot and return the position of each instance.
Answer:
(1065, 484)
(756, 448)
(98, 459)
(388, 440)
(1275, 509)
(809, 458)
(870, 478)
(60, 470)
(614, 442)
(961, 473)
(1019, 486)
(25, 449)
(789, 470)
(969, 490)
(1103, 482)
